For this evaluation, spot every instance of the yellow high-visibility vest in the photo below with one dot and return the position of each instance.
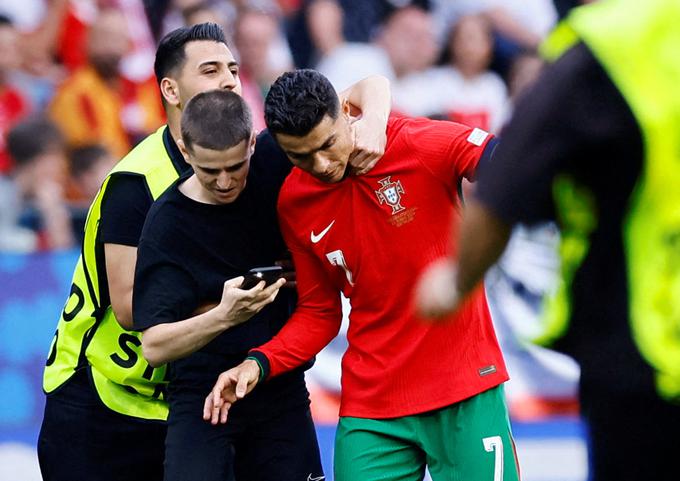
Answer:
(88, 333)
(638, 45)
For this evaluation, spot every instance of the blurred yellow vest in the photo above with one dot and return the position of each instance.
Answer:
(638, 45)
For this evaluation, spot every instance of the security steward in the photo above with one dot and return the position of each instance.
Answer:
(596, 145)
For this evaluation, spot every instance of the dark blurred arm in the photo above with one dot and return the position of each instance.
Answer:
(483, 238)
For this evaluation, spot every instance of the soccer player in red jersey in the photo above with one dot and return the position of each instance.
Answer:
(414, 394)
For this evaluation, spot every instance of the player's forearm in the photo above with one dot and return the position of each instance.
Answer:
(483, 238)
(302, 338)
(163, 343)
(373, 96)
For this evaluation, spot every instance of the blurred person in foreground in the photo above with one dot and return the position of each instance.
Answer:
(185, 262)
(96, 103)
(101, 392)
(33, 195)
(413, 394)
(596, 145)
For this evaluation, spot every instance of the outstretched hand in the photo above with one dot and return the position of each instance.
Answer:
(231, 386)
(437, 295)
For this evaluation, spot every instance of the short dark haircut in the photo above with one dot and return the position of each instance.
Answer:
(171, 53)
(216, 120)
(298, 101)
(5, 21)
(82, 159)
(31, 138)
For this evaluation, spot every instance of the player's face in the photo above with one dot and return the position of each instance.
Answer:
(208, 66)
(221, 173)
(324, 152)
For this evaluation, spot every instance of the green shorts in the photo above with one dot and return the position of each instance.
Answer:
(467, 441)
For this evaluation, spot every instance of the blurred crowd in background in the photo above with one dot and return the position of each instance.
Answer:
(77, 89)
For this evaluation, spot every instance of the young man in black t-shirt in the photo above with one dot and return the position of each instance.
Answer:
(200, 237)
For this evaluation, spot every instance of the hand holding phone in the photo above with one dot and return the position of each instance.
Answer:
(267, 274)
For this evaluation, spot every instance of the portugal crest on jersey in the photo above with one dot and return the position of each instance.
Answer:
(390, 193)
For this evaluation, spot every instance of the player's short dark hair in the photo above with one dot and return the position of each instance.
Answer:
(82, 159)
(5, 21)
(31, 138)
(216, 120)
(298, 101)
(171, 53)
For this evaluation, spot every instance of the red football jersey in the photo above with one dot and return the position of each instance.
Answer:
(370, 237)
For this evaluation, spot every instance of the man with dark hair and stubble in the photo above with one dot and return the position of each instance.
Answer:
(199, 238)
(101, 392)
(413, 394)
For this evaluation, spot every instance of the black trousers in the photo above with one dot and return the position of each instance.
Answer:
(82, 440)
(269, 436)
(633, 437)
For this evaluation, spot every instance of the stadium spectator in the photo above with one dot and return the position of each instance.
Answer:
(257, 39)
(596, 146)
(413, 394)
(96, 104)
(40, 38)
(13, 104)
(466, 90)
(101, 393)
(202, 12)
(409, 42)
(476, 96)
(518, 25)
(363, 19)
(343, 63)
(88, 166)
(184, 263)
(40, 168)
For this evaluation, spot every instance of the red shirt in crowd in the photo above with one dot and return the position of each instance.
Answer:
(13, 107)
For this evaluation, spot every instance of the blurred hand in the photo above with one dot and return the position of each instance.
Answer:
(231, 386)
(436, 293)
(370, 139)
(238, 305)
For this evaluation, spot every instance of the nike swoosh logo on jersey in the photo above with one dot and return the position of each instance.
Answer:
(320, 478)
(317, 238)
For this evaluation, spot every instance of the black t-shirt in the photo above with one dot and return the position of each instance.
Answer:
(187, 251)
(575, 121)
(127, 200)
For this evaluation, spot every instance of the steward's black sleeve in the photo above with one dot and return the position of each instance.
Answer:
(124, 208)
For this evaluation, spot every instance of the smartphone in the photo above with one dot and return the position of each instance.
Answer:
(267, 274)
